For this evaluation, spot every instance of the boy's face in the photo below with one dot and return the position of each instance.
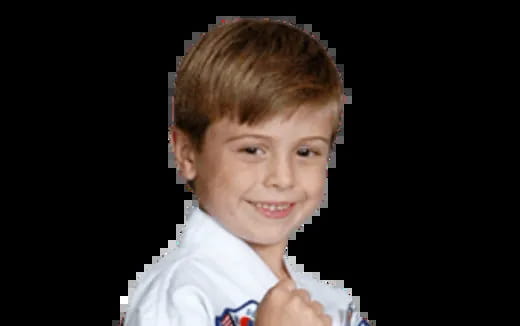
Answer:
(231, 174)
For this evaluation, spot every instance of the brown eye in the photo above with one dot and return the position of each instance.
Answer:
(249, 150)
(306, 152)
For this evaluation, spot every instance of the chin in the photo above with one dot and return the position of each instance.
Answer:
(266, 241)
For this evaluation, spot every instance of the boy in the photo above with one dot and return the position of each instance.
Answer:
(257, 108)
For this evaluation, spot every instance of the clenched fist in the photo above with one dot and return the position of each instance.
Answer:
(284, 305)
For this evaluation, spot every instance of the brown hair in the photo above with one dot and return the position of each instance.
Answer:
(252, 70)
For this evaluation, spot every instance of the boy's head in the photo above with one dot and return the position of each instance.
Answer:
(263, 78)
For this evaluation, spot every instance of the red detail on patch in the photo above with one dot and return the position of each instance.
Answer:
(245, 321)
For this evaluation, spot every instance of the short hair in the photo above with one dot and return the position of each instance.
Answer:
(250, 71)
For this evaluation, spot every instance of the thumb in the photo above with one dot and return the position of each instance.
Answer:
(287, 283)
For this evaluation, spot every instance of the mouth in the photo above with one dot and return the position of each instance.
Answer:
(277, 211)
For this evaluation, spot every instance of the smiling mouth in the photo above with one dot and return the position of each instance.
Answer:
(273, 211)
(276, 205)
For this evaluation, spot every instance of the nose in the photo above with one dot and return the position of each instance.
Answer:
(280, 173)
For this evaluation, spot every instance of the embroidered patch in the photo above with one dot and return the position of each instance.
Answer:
(241, 316)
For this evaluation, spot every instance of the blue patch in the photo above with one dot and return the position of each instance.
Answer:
(364, 323)
(241, 316)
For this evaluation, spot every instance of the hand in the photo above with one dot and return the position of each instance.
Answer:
(285, 305)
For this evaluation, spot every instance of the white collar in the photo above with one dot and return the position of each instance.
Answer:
(205, 231)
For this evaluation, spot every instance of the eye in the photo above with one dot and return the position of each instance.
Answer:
(308, 151)
(250, 150)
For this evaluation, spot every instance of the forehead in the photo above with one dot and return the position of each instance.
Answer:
(305, 122)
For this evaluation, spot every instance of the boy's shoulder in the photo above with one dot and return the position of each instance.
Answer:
(178, 282)
(178, 268)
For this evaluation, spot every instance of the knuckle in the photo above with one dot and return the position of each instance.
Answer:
(276, 294)
(316, 305)
(327, 320)
(274, 290)
(297, 301)
(303, 294)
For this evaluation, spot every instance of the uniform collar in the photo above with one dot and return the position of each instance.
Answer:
(205, 232)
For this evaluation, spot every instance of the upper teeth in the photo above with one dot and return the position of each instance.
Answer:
(272, 207)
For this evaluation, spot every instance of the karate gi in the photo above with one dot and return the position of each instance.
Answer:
(214, 278)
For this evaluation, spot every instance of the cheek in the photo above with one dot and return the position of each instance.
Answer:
(313, 174)
(314, 183)
(234, 178)
(245, 178)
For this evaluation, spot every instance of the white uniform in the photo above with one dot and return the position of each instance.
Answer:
(215, 278)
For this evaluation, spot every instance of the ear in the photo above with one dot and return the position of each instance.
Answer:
(171, 138)
(184, 154)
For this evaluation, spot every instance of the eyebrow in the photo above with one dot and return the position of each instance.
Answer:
(270, 138)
